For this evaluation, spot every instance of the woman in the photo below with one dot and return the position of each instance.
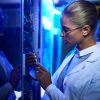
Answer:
(78, 77)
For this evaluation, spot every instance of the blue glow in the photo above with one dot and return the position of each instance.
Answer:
(46, 23)
(56, 1)
(51, 41)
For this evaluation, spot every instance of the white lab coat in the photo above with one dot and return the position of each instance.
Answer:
(82, 83)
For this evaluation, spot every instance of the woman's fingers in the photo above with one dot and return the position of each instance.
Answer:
(41, 67)
(31, 58)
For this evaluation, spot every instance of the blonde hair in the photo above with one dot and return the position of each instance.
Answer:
(82, 13)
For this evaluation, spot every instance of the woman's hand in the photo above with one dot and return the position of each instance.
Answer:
(31, 59)
(15, 76)
(43, 76)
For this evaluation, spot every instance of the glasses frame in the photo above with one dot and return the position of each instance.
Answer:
(69, 30)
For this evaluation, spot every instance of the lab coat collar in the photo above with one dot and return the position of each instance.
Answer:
(86, 51)
(93, 58)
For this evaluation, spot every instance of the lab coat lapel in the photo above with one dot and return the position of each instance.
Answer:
(65, 62)
(93, 58)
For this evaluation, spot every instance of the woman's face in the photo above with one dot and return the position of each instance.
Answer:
(70, 32)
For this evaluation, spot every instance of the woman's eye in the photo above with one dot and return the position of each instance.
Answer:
(66, 30)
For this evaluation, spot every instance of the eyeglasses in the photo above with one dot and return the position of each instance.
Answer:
(67, 30)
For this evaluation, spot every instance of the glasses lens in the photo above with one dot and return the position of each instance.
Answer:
(66, 30)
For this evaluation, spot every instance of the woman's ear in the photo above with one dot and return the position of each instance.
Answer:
(86, 30)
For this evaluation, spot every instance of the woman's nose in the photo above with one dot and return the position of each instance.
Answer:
(62, 34)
